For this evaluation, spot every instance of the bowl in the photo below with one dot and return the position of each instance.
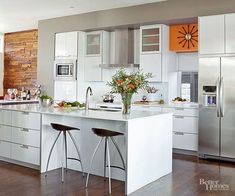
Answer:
(45, 102)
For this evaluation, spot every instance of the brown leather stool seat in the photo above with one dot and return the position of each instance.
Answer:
(60, 127)
(105, 132)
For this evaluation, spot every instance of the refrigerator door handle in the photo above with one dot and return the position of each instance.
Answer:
(218, 97)
(221, 94)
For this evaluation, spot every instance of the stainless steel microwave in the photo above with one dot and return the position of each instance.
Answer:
(65, 69)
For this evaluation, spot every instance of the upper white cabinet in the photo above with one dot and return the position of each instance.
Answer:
(211, 34)
(96, 53)
(66, 45)
(230, 33)
(155, 56)
(217, 34)
(150, 39)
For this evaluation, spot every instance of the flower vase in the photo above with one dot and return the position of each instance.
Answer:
(126, 103)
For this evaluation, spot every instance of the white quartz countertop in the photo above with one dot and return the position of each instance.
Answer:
(104, 115)
(154, 104)
(9, 102)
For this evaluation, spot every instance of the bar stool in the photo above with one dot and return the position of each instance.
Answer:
(64, 129)
(107, 135)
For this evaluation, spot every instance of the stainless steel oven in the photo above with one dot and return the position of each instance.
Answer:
(65, 69)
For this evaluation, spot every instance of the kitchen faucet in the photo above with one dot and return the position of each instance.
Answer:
(87, 102)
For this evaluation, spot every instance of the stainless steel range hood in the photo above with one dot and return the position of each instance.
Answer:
(121, 50)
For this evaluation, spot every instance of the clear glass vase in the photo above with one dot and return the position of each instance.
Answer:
(126, 102)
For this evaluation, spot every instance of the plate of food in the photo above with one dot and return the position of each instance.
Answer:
(179, 100)
(71, 105)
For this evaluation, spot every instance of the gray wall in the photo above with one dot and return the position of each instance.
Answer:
(164, 12)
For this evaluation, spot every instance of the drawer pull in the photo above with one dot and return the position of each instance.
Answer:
(182, 117)
(25, 130)
(24, 146)
(179, 133)
(179, 109)
(25, 113)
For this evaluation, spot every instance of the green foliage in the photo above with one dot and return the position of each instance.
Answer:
(42, 97)
(129, 83)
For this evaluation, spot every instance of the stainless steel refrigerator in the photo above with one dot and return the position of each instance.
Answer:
(216, 94)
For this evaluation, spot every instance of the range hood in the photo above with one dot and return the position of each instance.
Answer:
(121, 49)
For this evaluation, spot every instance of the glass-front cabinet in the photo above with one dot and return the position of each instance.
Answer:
(93, 43)
(150, 39)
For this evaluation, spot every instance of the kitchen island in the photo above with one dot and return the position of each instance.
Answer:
(146, 145)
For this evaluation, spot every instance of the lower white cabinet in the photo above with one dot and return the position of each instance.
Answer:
(25, 154)
(185, 128)
(5, 133)
(26, 120)
(5, 149)
(20, 136)
(26, 136)
(185, 141)
(185, 124)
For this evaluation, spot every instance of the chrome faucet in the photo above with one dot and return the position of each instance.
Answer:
(87, 102)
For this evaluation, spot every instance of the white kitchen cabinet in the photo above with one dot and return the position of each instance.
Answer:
(96, 53)
(230, 33)
(212, 34)
(185, 141)
(155, 56)
(26, 136)
(180, 111)
(26, 120)
(66, 45)
(25, 154)
(185, 124)
(150, 39)
(5, 133)
(5, 117)
(152, 63)
(185, 127)
(5, 149)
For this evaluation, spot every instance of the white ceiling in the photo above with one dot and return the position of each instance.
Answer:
(18, 15)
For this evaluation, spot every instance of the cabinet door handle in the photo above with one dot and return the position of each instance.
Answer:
(25, 130)
(25, 113)
(182, 117)
(179, 133)
(24, 146)
(179, 109)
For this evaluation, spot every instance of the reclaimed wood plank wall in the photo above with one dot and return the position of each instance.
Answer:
(20, 60)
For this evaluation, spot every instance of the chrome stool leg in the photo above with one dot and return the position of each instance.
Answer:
(51, 152)
(76, 147)
(105, 159)
(109, 165)
(66, 152)
(96, 148)
(119, 152)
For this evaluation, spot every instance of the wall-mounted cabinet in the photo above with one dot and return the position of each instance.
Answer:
(155, 56)
(66, 45)
(216, 34)
(96, 53)
(211, 35)
(184, 38)
(150, 39)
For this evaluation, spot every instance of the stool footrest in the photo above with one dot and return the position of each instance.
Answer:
(71, 158)
(114, 166)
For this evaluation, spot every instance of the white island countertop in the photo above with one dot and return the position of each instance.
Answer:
(73, 112)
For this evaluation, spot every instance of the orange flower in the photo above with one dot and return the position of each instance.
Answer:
(119, 82)
(131, 86)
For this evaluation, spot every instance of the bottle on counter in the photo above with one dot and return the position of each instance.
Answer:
(23, 93)
(28, 95)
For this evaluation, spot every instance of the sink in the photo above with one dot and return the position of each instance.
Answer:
(105, 109)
